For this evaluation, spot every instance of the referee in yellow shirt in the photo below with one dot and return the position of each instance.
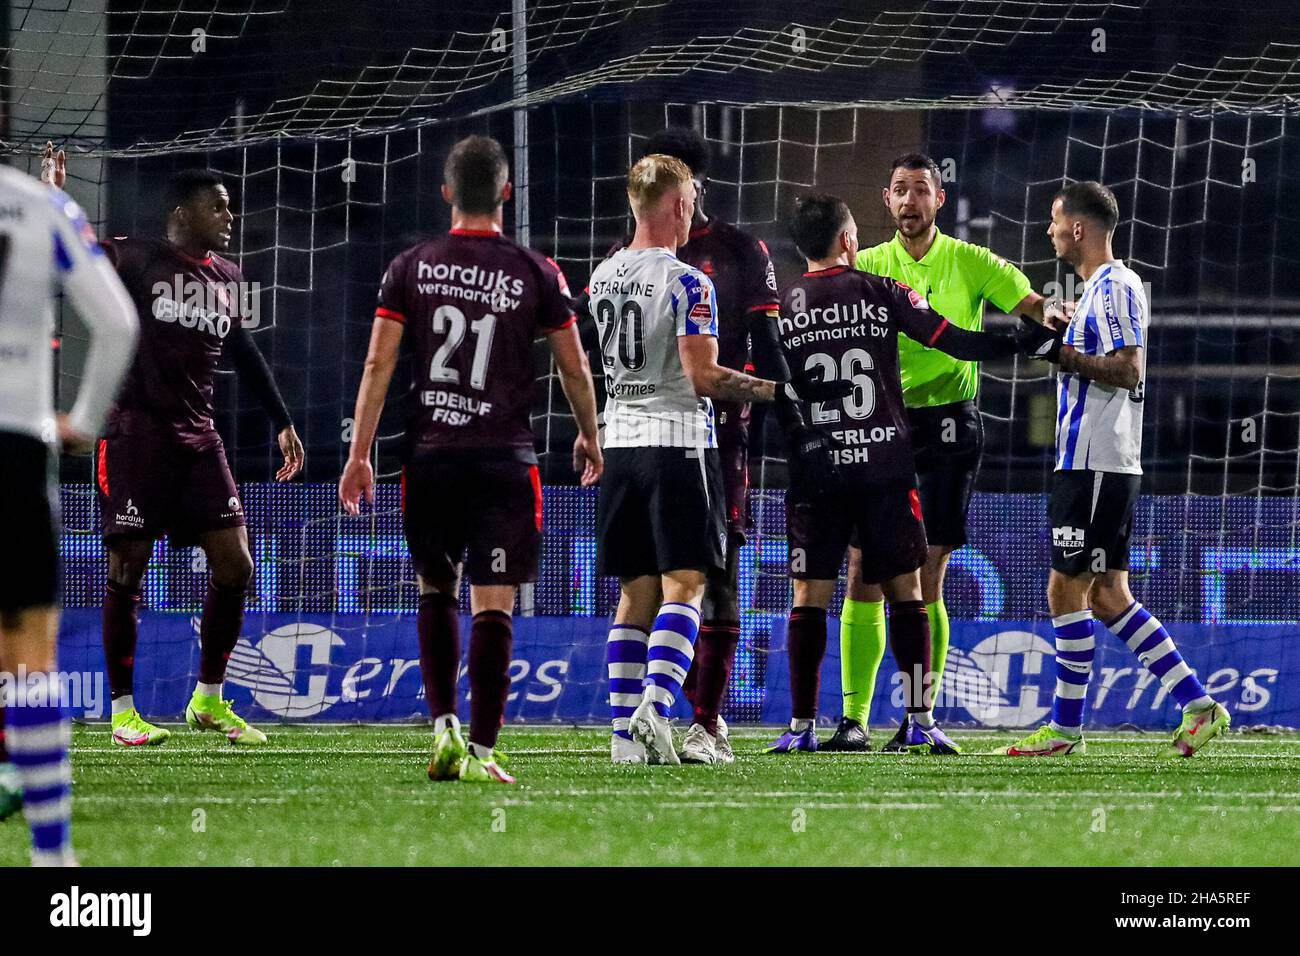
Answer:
(957, 278)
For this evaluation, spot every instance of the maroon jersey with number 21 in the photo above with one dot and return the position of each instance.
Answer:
(473, 302)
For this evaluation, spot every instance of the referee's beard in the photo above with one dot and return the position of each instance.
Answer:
(913, 228)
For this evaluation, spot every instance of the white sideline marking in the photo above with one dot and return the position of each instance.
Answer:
(750, 732)
(882, 805)
(827, 797)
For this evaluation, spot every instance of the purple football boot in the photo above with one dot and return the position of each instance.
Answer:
(933, 741)
(791, 741)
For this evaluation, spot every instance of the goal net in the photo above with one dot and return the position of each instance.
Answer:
(331, 132)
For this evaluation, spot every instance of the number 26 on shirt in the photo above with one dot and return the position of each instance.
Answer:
(853, 366)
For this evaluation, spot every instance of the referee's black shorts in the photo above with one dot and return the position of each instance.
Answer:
(660, 509)
(948, 441)
(29, 490)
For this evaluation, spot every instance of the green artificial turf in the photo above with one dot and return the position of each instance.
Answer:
(358, 795)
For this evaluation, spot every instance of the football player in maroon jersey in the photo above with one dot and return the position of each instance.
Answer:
(161, 468)
(844, 324)
(473, 302)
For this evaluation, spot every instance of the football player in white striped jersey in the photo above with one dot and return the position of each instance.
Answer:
(1094, 488)
(661, 518)
(45, 244)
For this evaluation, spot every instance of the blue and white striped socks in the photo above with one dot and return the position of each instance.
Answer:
(625, 656)
(1147, 638)
(37, 738)
(672, 647)
(1075, 647)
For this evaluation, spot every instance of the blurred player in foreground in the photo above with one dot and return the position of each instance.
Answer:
(474, 302)
(45, 244)
(957, 278)
(161, 468)
(1095, 485)
(845, 325)
(661, 519)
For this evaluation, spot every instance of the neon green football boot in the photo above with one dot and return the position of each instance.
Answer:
(210, 712)
(1199, 729)
(476, 770)
(132, 730)
(1046, 742)
(449, 751)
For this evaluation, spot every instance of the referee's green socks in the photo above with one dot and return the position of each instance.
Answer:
(862, 648)
(938, 615)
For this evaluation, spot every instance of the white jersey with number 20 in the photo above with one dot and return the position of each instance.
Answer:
(643, 300)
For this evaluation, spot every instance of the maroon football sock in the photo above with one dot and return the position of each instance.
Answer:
(121, 627)
(715, 652)
(909, 639)
(691, 685)
(438, 622)
(490, 640)
(223, 617)
(806, 638)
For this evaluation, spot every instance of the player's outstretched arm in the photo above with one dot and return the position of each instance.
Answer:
(251, 366)
(358, 477)
(699, 354)
(972, 346)
(575, 380)
(95, 291)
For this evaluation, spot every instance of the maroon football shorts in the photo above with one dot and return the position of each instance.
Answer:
(491, 509)
(884, 521)
(149, 486)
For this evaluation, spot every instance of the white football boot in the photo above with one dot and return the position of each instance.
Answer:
(648, 728)
(699, 746)
(722, 744)
(622, 750)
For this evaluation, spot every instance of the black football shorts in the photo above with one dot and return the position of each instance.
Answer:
(884, 521)
(485, 511)
(1091, 516)
(661, 509)
(29, 490)
(948, 441)
(150, 486)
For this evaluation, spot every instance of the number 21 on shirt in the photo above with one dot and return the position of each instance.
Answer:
(450, 321)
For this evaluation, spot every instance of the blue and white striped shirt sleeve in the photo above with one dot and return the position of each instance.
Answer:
(1121, 318)
(695, 306)
(95, 291)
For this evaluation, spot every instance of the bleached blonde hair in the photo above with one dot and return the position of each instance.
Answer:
(652, 177)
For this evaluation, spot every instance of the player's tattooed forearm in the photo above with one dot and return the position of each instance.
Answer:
(733, 386)
(1121, 368)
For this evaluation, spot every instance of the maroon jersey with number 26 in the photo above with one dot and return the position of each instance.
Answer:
(843, 324)
(473, 302)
